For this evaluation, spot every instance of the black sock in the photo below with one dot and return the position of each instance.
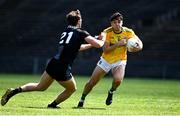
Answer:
(83, 96)
(16, 91)
(54, 103)
(112, 90)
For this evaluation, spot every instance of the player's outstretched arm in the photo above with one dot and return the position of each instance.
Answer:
(96, 42)
(85, 47)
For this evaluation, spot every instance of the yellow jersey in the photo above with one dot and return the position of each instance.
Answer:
(119, 53)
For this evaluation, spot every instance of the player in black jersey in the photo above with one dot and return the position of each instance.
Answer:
(59, 67)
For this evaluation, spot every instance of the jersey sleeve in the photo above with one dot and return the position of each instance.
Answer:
(129, 32)
(84, 34)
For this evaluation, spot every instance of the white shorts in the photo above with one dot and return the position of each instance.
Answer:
(107, 66)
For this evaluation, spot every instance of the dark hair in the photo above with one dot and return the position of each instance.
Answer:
(73, 17)
(116, 16)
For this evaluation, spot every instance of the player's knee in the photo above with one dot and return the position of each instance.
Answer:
(73, 89)
(117, 82)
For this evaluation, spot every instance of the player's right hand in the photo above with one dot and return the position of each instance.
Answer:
(122, 42)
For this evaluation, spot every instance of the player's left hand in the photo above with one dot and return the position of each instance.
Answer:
(137, 47)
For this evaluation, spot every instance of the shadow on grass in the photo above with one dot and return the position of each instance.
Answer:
(89, 108)
(94, 108)
(36, 107)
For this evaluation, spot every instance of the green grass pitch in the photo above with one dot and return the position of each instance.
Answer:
(134, 97)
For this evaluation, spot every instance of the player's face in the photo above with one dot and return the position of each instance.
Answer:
(116, 25)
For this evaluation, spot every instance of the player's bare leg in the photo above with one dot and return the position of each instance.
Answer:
(44, 83)
(98, 73)
(70, 88)
(118, 75)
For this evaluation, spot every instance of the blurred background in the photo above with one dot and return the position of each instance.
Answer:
(29, 31)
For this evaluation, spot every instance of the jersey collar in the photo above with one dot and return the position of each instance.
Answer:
(118, 32)
(74, 27)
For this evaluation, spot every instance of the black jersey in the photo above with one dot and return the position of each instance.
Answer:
(59, 67)
(70, 42)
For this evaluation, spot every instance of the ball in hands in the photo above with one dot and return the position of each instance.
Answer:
(134, 44)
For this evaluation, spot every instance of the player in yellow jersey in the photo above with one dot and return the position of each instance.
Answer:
(114, 57)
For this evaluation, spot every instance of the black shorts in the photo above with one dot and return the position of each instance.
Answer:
(58, 70)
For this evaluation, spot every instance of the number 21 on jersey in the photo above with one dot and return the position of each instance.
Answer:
(65, 37)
